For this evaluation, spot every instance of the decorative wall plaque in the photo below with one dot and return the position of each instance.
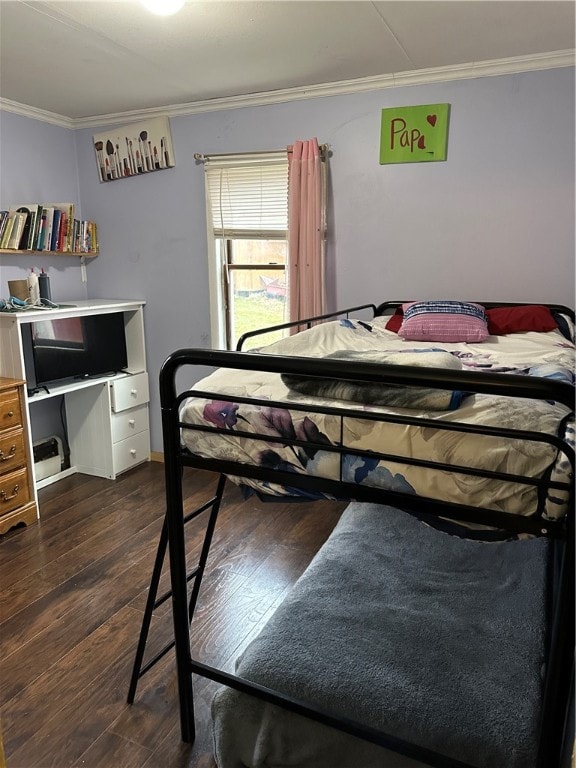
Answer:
(134, 149)
(414, 134)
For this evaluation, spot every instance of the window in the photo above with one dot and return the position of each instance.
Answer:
(247, 207)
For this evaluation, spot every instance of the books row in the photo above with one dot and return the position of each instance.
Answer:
(46, 228)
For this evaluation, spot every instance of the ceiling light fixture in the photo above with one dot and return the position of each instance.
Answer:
(163, 7)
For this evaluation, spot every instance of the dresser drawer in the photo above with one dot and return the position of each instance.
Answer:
(128, 423)
(14, 490)
(128, 392)
(134, 450)
(10, 409)
(12, 450)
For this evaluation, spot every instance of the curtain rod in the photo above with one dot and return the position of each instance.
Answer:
(324, 150)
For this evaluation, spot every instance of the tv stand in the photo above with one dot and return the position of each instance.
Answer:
(32, 392)
(107, 416)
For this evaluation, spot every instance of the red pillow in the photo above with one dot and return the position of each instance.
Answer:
(528, 317)
(395, 321)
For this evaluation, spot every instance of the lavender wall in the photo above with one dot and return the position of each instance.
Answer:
(38, 164)
(495, 221)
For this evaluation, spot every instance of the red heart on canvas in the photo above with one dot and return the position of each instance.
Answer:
(421, 144)
(431, 119)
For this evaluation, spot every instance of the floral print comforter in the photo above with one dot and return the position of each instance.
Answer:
(540, 354)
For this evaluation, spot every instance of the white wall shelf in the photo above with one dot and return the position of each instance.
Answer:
(86, 254)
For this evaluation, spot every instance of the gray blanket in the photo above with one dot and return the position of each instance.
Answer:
(434, 639)
(375, 393)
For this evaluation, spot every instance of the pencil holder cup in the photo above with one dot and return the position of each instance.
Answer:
(18, 289)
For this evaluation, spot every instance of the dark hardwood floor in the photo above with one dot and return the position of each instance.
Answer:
(73, 589)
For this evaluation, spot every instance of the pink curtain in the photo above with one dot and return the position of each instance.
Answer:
(306, 227)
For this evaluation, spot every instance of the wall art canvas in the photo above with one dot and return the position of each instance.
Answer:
(414, 134)
(134, 149)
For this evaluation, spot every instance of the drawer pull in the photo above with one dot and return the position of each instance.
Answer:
(5, 497)
(133, 451)
(10, 414)
(134, 392)
(131, 422)
(11, 453)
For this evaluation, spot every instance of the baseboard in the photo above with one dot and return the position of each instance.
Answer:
(54, 478)
(157, 456)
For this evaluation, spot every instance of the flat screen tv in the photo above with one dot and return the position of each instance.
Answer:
(68, 348)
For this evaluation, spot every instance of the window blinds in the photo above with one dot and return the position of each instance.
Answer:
(247, 195)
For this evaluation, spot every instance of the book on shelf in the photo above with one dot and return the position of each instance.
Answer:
(41, 232)
(49, 213)
(95, 243)
(7, 230)
(3, 220)
(36, 220)
(33, 211)
(61, 239)
(66, 213)
(30, 212)
(34, 227)
(55, 229)
(90, 238)
(19, 219)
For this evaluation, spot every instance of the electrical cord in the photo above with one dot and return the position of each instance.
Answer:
(12, 304)
(66, 444)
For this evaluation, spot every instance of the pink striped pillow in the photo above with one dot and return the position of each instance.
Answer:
(448, 321)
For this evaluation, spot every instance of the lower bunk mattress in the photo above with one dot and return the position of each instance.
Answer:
(435, 640)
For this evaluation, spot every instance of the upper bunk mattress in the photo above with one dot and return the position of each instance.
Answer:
(547, 354)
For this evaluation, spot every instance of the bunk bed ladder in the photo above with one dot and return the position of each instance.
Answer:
(153, 601)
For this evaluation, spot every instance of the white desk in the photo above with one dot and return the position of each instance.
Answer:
(107, 417)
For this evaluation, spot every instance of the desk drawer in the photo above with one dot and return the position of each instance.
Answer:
(130, 391)
(134, 450)
(14, 491)
(12, 450)
(10, 410)
(128, 423)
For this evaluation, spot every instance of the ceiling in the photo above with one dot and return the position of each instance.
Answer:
(85, 58)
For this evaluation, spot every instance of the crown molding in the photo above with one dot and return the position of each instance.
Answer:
(37, 114)
(470, 70)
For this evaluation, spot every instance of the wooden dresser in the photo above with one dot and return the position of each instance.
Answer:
(17, 499)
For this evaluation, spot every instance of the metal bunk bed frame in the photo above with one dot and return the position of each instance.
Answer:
(560, 669)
